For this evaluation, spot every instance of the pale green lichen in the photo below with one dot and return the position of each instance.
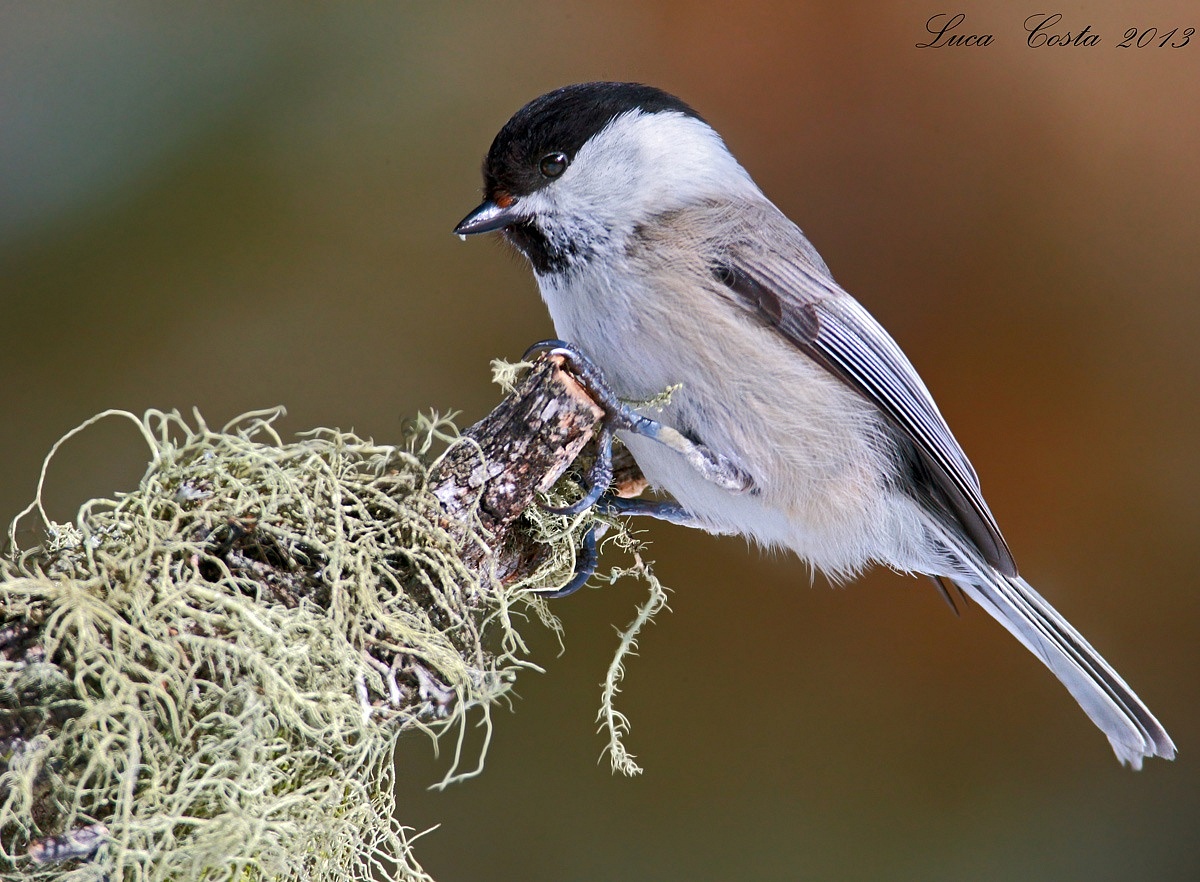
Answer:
(217, 666)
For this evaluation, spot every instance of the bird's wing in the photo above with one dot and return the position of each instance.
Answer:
(794, 293)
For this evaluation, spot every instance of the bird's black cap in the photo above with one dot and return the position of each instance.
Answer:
(562, 121)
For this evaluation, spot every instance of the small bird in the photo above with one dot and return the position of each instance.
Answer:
(662, 261)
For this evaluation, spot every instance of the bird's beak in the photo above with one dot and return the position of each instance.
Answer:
(487, 218)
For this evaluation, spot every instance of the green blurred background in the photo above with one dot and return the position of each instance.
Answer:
(233, 205)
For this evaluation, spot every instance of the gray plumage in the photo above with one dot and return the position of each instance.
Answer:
(658, 255)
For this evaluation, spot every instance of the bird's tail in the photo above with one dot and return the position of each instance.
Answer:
(1132, 730)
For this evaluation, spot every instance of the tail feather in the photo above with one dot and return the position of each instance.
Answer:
(1132, 730)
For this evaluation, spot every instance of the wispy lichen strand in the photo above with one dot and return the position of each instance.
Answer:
(206, 678)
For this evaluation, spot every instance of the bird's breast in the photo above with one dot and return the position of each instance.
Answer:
(810, 443)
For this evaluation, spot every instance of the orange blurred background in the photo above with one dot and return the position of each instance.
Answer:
(232, 206)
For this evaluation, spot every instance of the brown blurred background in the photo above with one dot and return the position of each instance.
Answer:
(233, 206)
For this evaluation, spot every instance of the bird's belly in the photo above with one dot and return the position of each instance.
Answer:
(816, 477)
(812, 445)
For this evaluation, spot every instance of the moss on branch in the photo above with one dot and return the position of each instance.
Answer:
(206, 677)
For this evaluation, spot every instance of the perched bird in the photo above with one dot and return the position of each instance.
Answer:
(664, 264)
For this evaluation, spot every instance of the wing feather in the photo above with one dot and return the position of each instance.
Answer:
(797, 297)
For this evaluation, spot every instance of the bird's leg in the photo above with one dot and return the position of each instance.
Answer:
(599, 476)
(713, 466)
(588, 557)
(662, 509)
(619, 416)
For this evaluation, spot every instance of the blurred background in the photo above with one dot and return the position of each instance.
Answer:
(233, 206)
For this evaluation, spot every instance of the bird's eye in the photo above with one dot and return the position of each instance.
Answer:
(553, 164)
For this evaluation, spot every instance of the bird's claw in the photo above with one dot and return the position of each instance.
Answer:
(619, 416)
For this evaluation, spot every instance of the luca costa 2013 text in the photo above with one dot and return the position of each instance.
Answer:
(1043, 29)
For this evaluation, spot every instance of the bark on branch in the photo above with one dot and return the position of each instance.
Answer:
(519, 449)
